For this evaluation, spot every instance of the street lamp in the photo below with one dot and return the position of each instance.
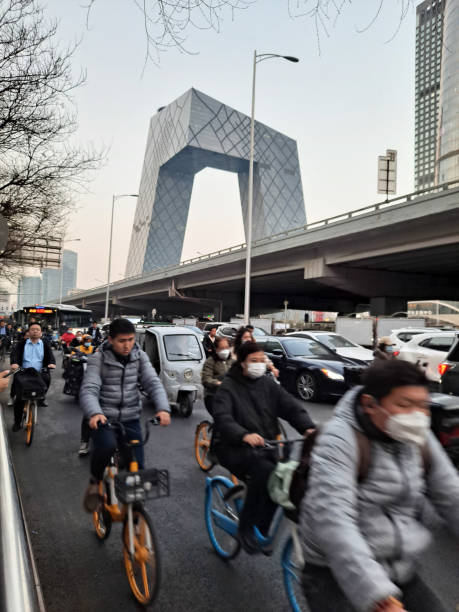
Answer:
(61, 284)
(114, 198)
(257, 58)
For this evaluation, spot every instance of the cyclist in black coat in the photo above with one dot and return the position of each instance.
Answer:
(246, 410)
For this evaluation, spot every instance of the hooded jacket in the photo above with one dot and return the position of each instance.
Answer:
(243, 405)
(111, 387)
(371, 534)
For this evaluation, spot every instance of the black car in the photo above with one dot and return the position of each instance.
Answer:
(309, 368)
(449, 371)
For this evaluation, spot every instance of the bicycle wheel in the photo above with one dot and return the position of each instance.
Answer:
(222, 517)
(291, 571)
(143, 568)
(202, 445)
(30, 409)
(101, 518)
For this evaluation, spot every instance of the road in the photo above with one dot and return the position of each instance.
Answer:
(80, 574)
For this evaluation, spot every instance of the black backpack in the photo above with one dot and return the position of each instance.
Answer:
(28, 384)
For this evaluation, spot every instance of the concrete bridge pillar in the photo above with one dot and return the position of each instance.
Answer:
(387, 305)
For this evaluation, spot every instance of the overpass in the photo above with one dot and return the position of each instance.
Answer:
(383, 254)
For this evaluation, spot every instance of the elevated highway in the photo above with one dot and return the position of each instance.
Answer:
(383, 255)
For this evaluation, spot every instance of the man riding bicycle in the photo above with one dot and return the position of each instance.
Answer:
(110, 391)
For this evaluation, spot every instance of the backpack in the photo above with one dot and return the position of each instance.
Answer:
(300, 473)
(28, 384)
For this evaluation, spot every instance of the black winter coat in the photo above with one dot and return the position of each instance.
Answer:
(17, 354)
(243, 406)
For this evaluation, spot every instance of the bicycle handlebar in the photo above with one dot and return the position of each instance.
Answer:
(119, 425)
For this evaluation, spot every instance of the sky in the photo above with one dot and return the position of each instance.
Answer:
(345, 105)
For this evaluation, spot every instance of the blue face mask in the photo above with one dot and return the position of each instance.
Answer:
(390, 348)
(87, 344)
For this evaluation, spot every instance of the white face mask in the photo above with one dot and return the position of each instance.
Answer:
(255, 370)
(412, 428)
(224, 354)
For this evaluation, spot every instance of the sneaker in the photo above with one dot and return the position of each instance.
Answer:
(16, 426)
(84, 449)
(91, 497)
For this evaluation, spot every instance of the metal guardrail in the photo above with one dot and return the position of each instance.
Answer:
(19, 587)
(344, 217)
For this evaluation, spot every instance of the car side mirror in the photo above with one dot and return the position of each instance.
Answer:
(278, 352)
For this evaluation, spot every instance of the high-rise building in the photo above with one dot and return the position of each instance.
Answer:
(66, 275)
(429, 45)
(29, 291)
(448, 141)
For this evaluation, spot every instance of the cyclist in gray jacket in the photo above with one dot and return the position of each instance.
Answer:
(110, 391)
(364, 534)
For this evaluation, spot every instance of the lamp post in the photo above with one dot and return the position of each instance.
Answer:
(61, 284)
(257, 58)
(114, 198)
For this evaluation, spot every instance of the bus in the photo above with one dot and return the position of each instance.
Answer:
(55, 315)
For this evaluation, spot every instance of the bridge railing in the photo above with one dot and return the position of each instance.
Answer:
(344, 217)
(19, 586)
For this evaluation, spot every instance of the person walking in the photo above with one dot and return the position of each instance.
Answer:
(209, 341)
(385, 349)
(375, 470)
(95, 333)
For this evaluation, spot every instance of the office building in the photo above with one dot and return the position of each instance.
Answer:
(448, 142)
(429, 37)
(29, 291)
(65, 277)
(195, 132)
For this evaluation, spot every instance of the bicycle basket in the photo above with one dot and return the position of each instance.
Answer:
(139, 486)
(29, 385)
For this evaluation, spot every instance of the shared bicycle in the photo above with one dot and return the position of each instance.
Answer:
(223, 506)
(122, 496)
(31, 397)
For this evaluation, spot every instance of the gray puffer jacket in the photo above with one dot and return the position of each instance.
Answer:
(112, 388)
(371, 534)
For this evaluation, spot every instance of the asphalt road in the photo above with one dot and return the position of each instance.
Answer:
(80, 574)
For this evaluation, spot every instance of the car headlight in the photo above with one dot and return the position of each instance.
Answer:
(188, 374)
(331, 374)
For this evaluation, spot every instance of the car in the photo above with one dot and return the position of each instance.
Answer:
(336, 342)
(197, 330)
(403, 335)
(229, 331)
(429, 350)
(308, 368)
(449, 371)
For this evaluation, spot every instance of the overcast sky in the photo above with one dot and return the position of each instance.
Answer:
(344, 106)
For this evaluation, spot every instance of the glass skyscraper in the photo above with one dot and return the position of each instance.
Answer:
(448, 142)
(429, 38)
(195, 132)
(29, 291)
(52, 278)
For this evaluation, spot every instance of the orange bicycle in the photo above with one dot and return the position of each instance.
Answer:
(122, 495)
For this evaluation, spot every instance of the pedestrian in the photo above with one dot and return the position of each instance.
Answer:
(385, 349)
(215, 369)
(95, 333)
(209, 341)
(375, 468)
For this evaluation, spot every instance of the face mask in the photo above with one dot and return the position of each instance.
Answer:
(223, 354)
(87, 344)
(412, 428)
(255, 370)
(389, 349)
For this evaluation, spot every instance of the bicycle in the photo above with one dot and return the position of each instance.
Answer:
(122, 495)
(30, 398)
(223, 505)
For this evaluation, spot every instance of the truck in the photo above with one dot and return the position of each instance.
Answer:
(366, 330)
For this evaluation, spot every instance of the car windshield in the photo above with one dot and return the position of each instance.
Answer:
(335, 340)
(182, 347)
(304, 347)
(258, 332)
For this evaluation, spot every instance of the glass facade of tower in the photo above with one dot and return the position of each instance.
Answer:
(429, 36)
(195, 132)
(448, 150)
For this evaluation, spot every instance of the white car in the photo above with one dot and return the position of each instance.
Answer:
(343, 346)
(428, 350)
(403, 335)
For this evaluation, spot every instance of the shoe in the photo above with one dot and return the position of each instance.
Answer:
(84, 449)
(91, 497)
(16, 426)
(10, 402)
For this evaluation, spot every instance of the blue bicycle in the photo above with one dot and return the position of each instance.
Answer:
(223, 505)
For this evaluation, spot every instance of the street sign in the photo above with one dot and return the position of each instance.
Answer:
(387, 172)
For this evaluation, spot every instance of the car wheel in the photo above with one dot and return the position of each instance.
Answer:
(307, 387)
